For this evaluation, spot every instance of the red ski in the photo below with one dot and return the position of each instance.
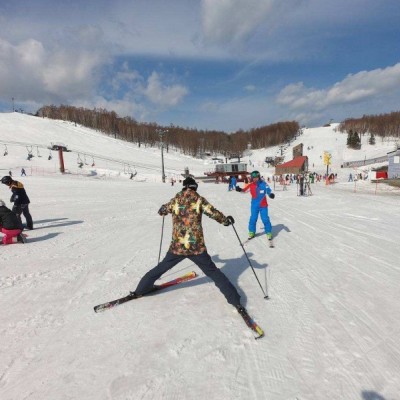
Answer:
(132, 296)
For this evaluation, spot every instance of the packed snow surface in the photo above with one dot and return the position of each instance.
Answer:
(331, 324)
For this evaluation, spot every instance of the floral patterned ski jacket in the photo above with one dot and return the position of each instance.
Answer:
(187, 208)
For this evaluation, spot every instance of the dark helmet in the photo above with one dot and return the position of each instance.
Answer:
(6, 180)
(255, 174)
(190, 183)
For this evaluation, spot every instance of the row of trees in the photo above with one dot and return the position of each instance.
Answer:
(189, 141)
(383, 125)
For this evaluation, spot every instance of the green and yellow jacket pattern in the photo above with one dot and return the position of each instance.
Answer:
(187, 208)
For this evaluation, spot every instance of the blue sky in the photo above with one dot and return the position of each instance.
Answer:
(211, 64)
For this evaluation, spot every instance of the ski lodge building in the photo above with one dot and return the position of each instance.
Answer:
(298, 165)
(394, 164)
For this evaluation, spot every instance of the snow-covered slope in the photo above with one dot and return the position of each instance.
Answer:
(331, 322)
(21, 134)
(318, 140)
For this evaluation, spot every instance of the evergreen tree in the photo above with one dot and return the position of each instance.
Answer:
(372, 139)
(349, 136)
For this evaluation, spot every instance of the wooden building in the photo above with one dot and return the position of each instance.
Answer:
(296, 166)
(222, 172)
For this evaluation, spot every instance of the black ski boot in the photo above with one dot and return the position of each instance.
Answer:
(21, 239)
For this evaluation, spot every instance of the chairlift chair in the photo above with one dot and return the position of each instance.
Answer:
(79, 161)
(30, 155)
(132, 174)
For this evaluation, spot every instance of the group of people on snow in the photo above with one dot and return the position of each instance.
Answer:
(187, 241)
(23, 172)
(187, 208)
(10, 220)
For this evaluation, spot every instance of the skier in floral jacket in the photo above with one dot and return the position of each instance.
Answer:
(187, 208)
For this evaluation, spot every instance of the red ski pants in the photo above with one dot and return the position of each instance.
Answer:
(9, 234)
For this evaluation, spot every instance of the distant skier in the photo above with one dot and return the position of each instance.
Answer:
(301, 184)
(187, 241)
(23, 173)
(229, 183)
(232, 183)
(10, 225)
(259, 205)
(20, 199)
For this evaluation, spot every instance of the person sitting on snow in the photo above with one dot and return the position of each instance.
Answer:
(10, 225)
(20, 199)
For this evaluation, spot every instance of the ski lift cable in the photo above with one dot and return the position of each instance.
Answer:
(76, 151)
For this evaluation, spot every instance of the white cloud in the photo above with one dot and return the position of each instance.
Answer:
(31, 72)
(232, 20)
(123, 107)
(355, 88)
(161, 94)
(126, 79)
(250, 88)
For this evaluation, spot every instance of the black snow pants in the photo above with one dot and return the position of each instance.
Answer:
(204, 262)
(23, 209)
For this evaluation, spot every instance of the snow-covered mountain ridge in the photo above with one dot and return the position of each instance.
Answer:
(104, 156)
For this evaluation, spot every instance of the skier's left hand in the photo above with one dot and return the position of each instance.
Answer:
(271, 196)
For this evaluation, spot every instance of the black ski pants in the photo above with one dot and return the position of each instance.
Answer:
(23, 209)
(204, 262)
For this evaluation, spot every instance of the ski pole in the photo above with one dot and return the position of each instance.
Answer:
(162, 233)
(244, 251)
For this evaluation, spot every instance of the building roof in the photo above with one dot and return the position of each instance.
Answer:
(296, 162)
(394, 152)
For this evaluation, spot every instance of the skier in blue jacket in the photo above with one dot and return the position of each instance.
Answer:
(232, 183)
(259, 189)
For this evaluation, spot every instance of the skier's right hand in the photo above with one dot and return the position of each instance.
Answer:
(163, 211)
(229, 220)
(238, 189)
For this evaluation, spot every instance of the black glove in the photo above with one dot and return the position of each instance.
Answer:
(229, 220)
(163, 211)
(271, 196)
(238, 189)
